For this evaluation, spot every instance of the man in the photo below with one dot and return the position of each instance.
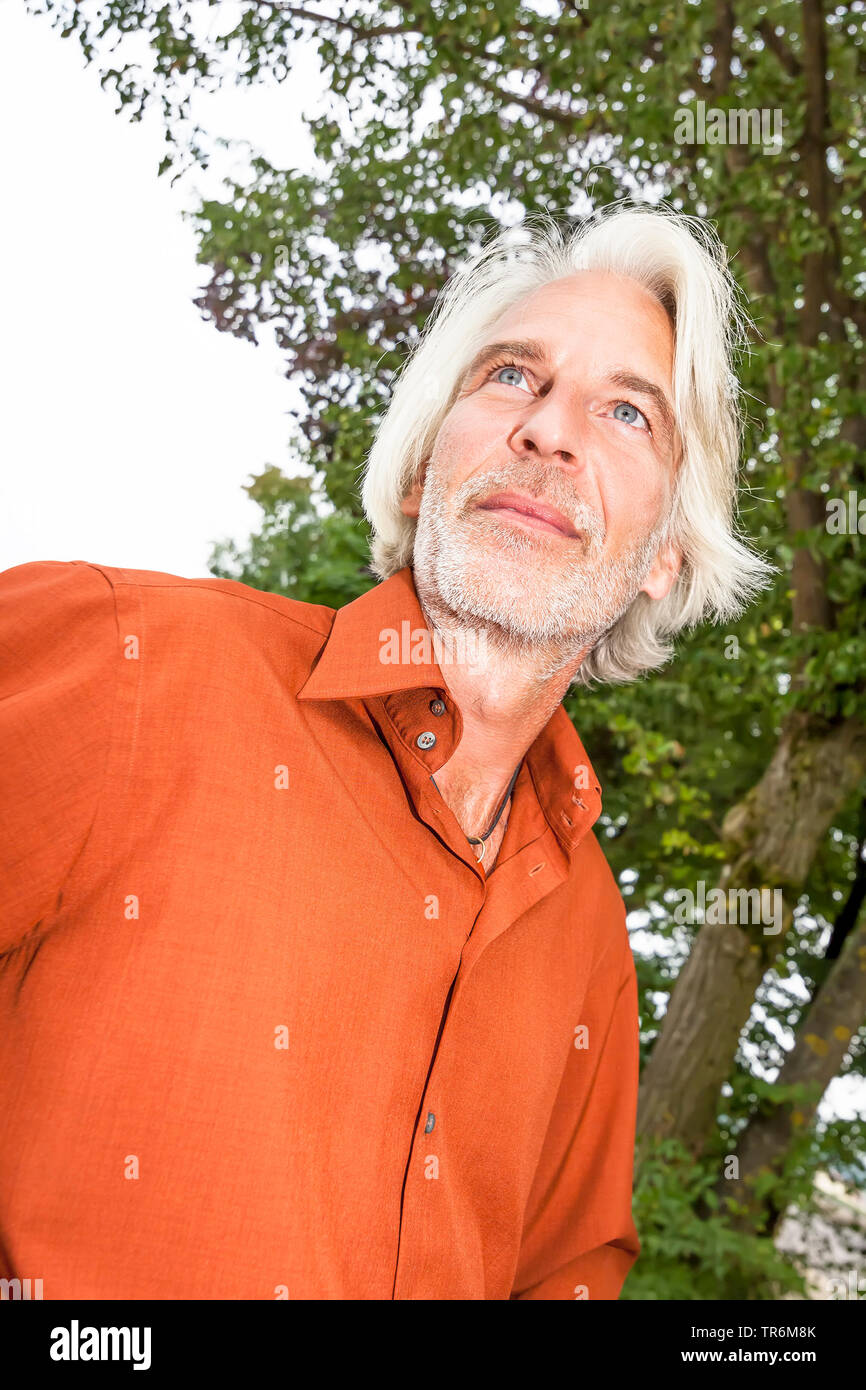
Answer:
(316, 984)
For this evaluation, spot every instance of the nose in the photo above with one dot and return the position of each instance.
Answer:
(550, 430)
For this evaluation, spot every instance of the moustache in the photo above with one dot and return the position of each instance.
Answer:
(546, 485)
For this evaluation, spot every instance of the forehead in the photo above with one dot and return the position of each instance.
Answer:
(593, 314)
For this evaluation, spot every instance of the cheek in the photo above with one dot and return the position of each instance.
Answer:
(634, 491)
(463, 444)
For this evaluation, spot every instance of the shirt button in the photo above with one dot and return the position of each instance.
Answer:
(437, 706)
(431, 1120)
(426, 740)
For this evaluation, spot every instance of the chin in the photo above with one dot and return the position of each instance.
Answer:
(503, 577)
(499, 588)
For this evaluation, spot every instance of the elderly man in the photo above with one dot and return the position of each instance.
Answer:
(316, 983)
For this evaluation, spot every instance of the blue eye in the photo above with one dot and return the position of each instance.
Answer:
(499, 370)
(632, 416)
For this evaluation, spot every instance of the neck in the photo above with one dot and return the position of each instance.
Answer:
(505, 701)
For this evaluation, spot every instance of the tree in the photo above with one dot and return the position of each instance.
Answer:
(740, 766)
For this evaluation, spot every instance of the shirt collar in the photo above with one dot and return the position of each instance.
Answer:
(376, 646)
(379, 645)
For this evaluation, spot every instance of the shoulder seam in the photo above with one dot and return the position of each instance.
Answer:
(206, 585)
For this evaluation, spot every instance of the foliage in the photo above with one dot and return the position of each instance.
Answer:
(689, 1248)
(300, 551)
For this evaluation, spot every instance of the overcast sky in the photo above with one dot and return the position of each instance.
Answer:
(129, 425)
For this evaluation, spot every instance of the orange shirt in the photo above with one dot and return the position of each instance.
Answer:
(267, 1029)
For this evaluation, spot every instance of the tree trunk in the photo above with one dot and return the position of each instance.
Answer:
(821, 1042)
(771, 838)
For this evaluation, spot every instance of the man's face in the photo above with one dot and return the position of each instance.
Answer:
(542, 505)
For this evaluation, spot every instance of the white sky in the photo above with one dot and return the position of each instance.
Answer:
(128, 423)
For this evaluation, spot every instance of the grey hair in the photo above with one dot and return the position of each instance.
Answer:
(682, 262)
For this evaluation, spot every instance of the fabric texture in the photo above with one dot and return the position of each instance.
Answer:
(267, 1028)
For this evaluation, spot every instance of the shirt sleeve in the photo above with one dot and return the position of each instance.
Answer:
(58, 663)
(579, 1238)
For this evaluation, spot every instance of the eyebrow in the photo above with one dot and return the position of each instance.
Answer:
(532, 350)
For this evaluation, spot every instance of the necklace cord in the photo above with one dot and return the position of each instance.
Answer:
(479, 839)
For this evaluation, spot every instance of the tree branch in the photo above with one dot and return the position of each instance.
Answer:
(850, 911)
(359, 31)
(777, 46)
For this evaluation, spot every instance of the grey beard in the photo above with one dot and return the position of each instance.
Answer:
(459, 584)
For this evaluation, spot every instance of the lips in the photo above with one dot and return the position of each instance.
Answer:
(528, 509)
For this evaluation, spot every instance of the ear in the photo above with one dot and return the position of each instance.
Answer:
(666, 567)
(411, 503)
